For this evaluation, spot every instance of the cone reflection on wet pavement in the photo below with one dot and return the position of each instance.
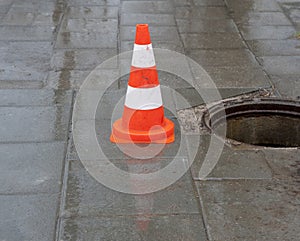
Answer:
(143, 118)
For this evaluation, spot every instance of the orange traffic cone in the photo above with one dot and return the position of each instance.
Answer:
(143, 118)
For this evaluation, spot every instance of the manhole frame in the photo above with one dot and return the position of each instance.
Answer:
(212, 117)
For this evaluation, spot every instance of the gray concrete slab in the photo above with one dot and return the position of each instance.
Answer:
(87, 197)
(287, 85)
(223, 58)
(29, 217)
(34, 124)
(277, 65)
(92, 12)
(84, 59)
(26, 33)
(262, 19)
(232, 164)
(31, 167)
(288, 47)
(133, 228)
(147, 7)
(253, 5)
(30, 97)
(267, 32)
(152, 19)
(205, 26)
(249, 210)
(212, 41)
(204, 13)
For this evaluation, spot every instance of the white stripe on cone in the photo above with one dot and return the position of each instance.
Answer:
(143, 56)
(143, 98)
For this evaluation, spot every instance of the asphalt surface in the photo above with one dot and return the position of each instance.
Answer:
(48, 48)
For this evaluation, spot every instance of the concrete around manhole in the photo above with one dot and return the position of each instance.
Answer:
(261, 122)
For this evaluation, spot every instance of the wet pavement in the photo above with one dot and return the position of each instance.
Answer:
(48, 48)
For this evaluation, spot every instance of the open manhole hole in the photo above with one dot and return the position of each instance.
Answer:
(260, 122)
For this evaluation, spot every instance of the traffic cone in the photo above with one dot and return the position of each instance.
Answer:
(143, 118)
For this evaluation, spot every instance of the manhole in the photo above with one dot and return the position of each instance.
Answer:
(261, 122)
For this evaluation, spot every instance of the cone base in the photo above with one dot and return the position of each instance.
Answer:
(162, 135)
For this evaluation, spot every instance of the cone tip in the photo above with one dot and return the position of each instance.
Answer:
(142, 34)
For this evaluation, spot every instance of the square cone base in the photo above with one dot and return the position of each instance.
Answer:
(161, 134)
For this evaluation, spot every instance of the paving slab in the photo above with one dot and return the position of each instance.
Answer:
(262, 19)
(94, 3)
(250, 209)
(86, 40)
(24, 61)
(212, 41)
(232, 164)
(267, 32)
(92, 12)
(147, 7)
(287, 85)
(87, 197)
(104, 26)
(223, 58)
(34, 124)
(288, 47)
(82, 59)
(285, 65)
(151, 19)
(31, 168)
(206, 26)
(28, 217)
(30, 97)
(26, 33)
(133, 228)
(254, 5)
(201, 13)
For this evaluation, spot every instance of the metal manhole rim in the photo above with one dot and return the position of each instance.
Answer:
(291, 106)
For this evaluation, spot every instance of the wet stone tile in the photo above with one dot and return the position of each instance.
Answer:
(87, 197)
(31, 168)
(201, 13)
(205, 26)
(24, 60)
(232, 164)
(285, 65)
(212, 41)
(21, 84)
(133, 228)
(287, 85)
(84, 59)
(267, 32)
(91, 25)
(94, 3)
(24, 18)
(151, 19)
(26, 33)
(29, 97)
(238, 77)
(86, 40)
(253, 209)
(34, 124)
(284, 163)
(92, 12)
(287, 47)
(262, 19)
(147, 7)
(254, 5)
(212, 3)
(158, 33)
(222, 58)
(28, 217)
